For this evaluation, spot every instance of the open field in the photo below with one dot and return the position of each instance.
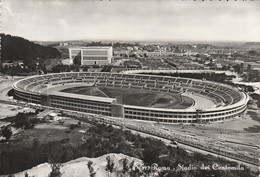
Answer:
(249, 122)
(136, 97)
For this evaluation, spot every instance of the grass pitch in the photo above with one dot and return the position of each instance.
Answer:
(136, 97)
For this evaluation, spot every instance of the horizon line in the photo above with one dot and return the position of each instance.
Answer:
(138, 40)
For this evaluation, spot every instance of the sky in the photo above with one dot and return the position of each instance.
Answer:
(132, 20)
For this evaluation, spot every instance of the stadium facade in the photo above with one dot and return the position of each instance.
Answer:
(92, 55)
(229, 101)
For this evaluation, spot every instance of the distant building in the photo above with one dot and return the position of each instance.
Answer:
(154, 53)
(184, 48)
(135, 47)
(158, 53)
(218, 66)
(63, 44)
(9, 63)
(122, 52)
(92, 55)
(165, 53)
(129, 48)
(178, 52)
(250, 66)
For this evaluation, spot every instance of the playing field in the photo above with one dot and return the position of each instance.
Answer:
(136, 97)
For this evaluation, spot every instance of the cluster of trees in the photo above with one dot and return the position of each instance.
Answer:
(16, 70)
(17, 48)
(255, 117)
(252, 53)
(69, 68)
(6, 132)
(247, 88)
(238, 68)
(106, 68)
(132, 64)
(256, 97)
(258, 100)
(21, 120)
(102, 139)
(33, 55)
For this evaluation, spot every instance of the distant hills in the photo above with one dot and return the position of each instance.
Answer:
(15, 48)
(252, 44)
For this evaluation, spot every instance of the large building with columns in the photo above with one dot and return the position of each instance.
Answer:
(94, 55)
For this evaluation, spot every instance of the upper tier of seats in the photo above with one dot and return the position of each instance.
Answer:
(219, 93)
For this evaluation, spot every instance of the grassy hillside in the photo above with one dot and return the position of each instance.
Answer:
(62, 142)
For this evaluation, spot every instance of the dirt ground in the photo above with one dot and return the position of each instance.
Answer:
(211, 135)
(240, 123)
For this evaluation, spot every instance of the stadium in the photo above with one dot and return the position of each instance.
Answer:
(135, 96)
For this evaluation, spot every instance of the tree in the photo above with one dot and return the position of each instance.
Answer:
(77, 60)
(136, 172)
(92, 173)
(23, 120)
(237, 68)
(44, 69)
(26, 174)
(125, 165)
(79, 123)
(7, 132)
(55, 170)
(131, 167)
(110, 165)
(258, 103)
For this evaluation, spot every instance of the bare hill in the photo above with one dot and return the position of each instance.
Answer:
(79, 167)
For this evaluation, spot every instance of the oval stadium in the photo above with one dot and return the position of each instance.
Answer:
(135, 96)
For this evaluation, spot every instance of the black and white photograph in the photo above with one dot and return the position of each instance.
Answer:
(129, 88)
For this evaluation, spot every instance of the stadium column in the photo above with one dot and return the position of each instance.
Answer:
(45, 100)
(117, 110)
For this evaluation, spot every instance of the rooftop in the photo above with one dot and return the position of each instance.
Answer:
(92, 47)
(84, 97)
